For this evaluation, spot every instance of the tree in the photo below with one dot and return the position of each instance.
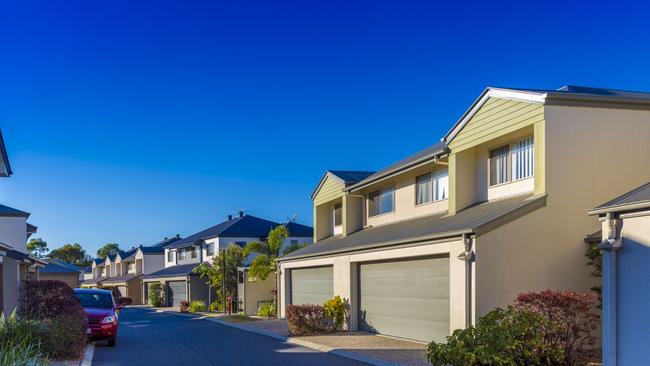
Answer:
(71, 253)
(108, 249)
(213, 273)
(267, 252)
(37, 247)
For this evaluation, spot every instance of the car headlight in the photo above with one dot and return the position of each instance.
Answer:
(109, 319)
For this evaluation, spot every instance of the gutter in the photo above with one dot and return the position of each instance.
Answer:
(440, 236)
(617, 208)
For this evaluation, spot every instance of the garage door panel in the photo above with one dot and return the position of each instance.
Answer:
(177, 292)
(312, 285)
(407, 299)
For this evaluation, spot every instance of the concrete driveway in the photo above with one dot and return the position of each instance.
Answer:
(149, 338)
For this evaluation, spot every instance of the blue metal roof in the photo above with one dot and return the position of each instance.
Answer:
(10, 211)
(56, 266)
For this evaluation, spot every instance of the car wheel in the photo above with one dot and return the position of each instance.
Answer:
(111, 341)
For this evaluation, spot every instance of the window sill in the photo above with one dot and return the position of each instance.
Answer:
(382, 214)
(430, 202)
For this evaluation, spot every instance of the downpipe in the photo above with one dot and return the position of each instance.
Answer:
(469, 257)
(608, 247)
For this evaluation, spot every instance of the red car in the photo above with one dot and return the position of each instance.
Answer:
(102, 313)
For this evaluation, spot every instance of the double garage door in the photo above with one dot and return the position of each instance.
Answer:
(176, 292)
(405, 298)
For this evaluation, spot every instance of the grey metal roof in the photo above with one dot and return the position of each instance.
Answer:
(10, 211)
(421, 156)
(478, 219)
(95, 281)
(637, 198)
(123, 278)
(56, 266)
(174, 271)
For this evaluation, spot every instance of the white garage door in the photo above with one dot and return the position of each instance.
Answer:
(408, 299)
(312, 285)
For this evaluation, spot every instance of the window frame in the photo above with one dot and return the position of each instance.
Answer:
(434, 175)
(170, 256)
(379, 193)
(340, 207)
(509, 161)
(209, 252)
(182, 254)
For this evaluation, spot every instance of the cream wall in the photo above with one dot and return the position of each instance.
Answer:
(13, 232)
(405, 207)
(255, 291)
(545, 249)
(345, 271)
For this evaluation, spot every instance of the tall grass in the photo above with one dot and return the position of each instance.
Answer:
(20, 342)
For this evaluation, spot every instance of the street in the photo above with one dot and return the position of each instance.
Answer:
(149, 338)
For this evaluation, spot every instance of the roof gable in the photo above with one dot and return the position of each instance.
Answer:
(329, 187)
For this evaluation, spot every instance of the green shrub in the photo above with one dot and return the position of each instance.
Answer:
(216, 306)
(336, 309)
(503, 337)
(268, 310)
(65, 335)
(197, 306)
(155, 295)
(20, 341)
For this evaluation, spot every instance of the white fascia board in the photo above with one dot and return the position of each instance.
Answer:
(510, 94)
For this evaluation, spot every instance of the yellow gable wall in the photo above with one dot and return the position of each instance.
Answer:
(329, 190)
(495, 118)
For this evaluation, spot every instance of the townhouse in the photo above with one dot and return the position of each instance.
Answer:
(436, 240)
(178, 280)
(625, 245)
(122, 272)
(16, 265)
(56, 270)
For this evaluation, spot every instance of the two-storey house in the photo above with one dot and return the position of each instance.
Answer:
(433, 242)
(122, 272)
(179, 281)
(16, 265)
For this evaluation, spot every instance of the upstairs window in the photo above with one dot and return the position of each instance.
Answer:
(209, 249)
(381, 202)
(181, 254)
(512, 162)
(338, 218)
(432, 187)
(130, 267)
(195, 252)
(170, 256)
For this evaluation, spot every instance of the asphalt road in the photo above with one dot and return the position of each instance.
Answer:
(150, 338)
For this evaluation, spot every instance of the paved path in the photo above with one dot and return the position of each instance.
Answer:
(150, 338)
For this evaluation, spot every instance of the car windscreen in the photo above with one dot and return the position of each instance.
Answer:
(95, 300)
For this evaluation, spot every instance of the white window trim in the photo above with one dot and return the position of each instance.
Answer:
(510, 159)
(434, 174)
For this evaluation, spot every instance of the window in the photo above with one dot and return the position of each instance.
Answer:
(209, 249)
(499, 165)
(512, 162)
(130, 267)
(195, 252)
(522, 159)
(381, 202)
(423, 189)
(170, 256)
(432, 187)
(338, 211)
(181, 254)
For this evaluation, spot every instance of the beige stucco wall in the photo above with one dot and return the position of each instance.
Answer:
(405, 205)
(71, 279)
(345, 271)
(10, 285)
(545, 249)
(256, 291)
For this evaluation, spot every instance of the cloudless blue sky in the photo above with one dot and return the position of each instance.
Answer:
(128, 121)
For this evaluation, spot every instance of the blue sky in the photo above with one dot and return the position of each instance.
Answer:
(130, 121)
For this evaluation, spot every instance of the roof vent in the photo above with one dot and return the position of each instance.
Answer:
(166, 238)
(241, 213)
(229, 217)
(178, 236)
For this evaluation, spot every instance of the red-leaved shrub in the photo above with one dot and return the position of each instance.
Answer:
(64, 320)
(185, 306)
(307, 320)
(574, 315)
(46, 299)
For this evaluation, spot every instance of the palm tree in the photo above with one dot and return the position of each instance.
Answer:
(267, 252)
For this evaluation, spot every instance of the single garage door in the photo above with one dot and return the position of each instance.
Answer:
(312, 285)
(408, 298)
(176, 292)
